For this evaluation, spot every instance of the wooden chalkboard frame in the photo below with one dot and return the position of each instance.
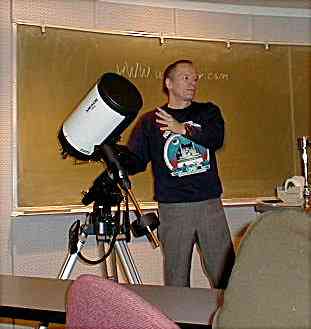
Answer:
(291, 96)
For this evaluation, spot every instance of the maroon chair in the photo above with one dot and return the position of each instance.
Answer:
(97, 303)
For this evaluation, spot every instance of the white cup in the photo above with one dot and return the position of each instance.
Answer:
(297, 182)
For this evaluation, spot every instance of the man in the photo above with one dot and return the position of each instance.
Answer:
(180, 140)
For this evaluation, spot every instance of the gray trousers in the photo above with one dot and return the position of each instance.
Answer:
(184, 224)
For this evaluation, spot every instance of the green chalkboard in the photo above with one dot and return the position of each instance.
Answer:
(264, 96)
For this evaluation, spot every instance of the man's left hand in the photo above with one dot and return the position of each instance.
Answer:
(167, 122)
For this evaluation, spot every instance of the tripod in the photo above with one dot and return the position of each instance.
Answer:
(104, 194)
(107, 229)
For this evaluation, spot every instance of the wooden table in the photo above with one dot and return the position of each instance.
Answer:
(42, 299)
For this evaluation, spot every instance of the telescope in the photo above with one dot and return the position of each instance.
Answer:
(107, 110)
(91, 133)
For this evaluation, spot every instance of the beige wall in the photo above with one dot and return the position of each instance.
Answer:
(37, 245)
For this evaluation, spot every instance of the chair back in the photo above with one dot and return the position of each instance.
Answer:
(270, 285)
(97, 303)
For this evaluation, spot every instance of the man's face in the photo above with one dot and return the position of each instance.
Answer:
(182, 84)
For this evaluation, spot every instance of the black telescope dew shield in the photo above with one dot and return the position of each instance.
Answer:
(107, 110)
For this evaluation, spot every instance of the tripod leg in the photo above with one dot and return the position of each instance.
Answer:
(70, 262)
(113, 266)
(127, 262)
(101, 253)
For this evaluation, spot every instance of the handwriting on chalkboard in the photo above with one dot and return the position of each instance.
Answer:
(145, 71)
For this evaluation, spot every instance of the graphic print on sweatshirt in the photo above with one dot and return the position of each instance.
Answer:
(184, 157)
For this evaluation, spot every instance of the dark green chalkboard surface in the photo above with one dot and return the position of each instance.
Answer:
(264, 95)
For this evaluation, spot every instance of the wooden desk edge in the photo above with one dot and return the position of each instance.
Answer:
(80, 209)
(17, 302)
